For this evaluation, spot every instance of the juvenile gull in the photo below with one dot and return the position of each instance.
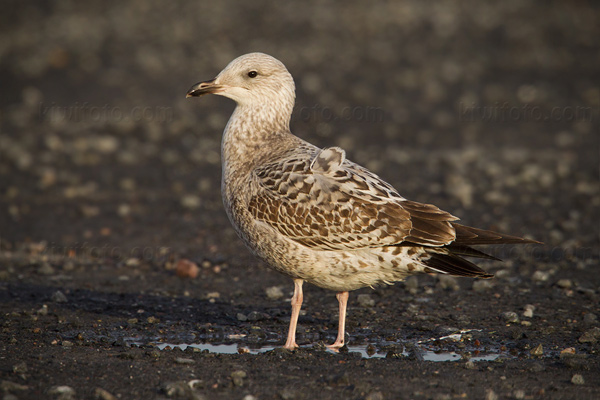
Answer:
(315, 216)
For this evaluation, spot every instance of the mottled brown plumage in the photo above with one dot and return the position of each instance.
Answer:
(314, 215)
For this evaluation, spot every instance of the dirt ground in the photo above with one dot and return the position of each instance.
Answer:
(110, 184)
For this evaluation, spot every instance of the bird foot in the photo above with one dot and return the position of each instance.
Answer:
(336, 346)
(291, 346)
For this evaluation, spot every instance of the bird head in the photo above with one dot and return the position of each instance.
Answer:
(254, 80)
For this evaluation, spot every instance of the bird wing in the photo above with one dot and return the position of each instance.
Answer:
(324, 201)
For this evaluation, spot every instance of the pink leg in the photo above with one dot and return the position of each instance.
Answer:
(343, 300)
(290, 344)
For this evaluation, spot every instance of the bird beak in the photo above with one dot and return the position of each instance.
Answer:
(202, 88)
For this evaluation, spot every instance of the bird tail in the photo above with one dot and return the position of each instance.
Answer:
(468, 236)
(449, 259)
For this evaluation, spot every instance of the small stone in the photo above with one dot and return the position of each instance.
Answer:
(519, 394)
(152, 320)
(412, 284)
(241, 317)
(102, 394)
(482, 285)
(255, 316)
(45, 269)
(590, 336)
(537, 351)
(510, 317)
(274, 293)
(490, 395)
(8, 386)
(58, 297)
(178, 389)
(196, 383)
(540, 276)
(186, 269)
(20, 368)
(374, 396)
(537, 367)
(470, 365)
(63, 392)
(43, 310)
(568, 350)
(249, 397)
(186, 361)
(577, 379)
(529, 309)
(67, 343)
(238, 377)
(448, 282)
(590, 319)
(564, 283)
(365, 300)
(190, 201)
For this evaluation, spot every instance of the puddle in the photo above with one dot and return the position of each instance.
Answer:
(366, 351)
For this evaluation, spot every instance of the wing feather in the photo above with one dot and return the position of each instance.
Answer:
(324, 201)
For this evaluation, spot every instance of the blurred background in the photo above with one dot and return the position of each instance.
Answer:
(488, 109)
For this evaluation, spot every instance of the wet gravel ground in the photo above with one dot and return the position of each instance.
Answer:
(114, 243)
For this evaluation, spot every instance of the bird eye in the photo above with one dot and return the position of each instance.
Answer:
(252, 74)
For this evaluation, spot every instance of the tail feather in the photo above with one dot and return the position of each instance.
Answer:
(462, 250)
(448, 263)
(468, 236)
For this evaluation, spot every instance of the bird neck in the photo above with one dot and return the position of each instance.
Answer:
(252, 135)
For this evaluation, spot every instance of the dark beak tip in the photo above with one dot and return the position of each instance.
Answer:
(202, 88)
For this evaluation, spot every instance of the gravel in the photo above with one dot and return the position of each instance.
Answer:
(93, 190)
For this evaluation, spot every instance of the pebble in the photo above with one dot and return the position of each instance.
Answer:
(186, 361)
(374, 396)
(519, 394)
(58, 297)
(238, 377)
(537, 351)
(190, 201)
(365, 300)
(590, 336)
(482, 285)
(249, 397)
(590, 319)
(43, 310)
(529, 309)
(177, 389)
(255, 316)
(448, 282)
(577, 379)
(564, 283)
(102, 394)
(63, 392)
(186, 269)
(510, 317)
(490, 395)
(540, 276)
(8, 386)
(45, 269)
(274, 293)
(241, 317)
(412, 284)
(20, 368)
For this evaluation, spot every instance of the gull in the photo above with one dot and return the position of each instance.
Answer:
(314, 215)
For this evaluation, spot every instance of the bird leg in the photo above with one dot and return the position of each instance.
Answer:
(290, 344)
(343, 300)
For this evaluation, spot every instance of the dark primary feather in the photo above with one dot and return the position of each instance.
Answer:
(469, 236)
(454, 265)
